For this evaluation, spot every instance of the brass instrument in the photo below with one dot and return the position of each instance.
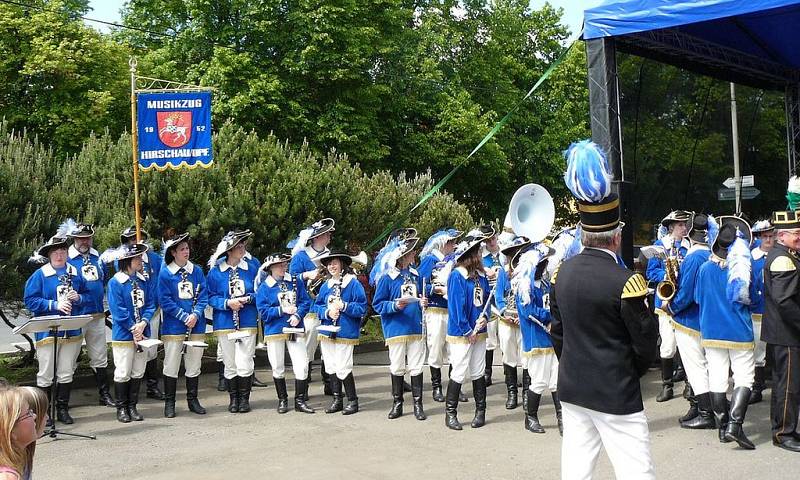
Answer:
(665, 290)
(359, 261)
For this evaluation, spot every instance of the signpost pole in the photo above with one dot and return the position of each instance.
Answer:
(134, 148)
(735, 140)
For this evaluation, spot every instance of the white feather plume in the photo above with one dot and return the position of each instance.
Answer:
(302, 240)
(68, 227)
(739, 268)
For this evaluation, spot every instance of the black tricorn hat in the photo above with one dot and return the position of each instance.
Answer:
(402, 233)
(698, 230)
(275, 258)
(343, 257)
(170, 244)
(130, 233)
(82, 230)
(730, 227)
(676, 216)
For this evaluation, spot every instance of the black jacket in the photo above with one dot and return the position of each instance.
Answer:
(603, 333)
(781, 322)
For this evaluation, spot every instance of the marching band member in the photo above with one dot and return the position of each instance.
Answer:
(56, 288)
(723, 291)
(341, 302)
(764, 233)
(685, 313)
(780, 327)
(86, 260)
(183, 296)
(508, 328)
(433, 253)
(602, 332)
(531, 292)
(311, 245)
(283, 302)
(398, 303)
(131, 299)
(151, 267)
(671, 233)
(492, 265)
(467, 299)
(232, 295)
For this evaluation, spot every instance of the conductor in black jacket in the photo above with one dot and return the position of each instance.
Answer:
(603, 334)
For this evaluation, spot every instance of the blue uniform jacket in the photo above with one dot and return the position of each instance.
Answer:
(757, 301)
(722, 324)
(683, 307)
(120, 302)
(465, 304)
(93, 279)
(656, 271)
(41, 297)
(269, 305)
(303, 261)
(427, 267)
(355, 307)
(175, 299)
(219, 293)
(535, 340)
(399, 325)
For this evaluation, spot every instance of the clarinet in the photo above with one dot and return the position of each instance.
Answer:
(234, 276)
(336, 292)
(137, 314)
(194, 304)
(292, 336)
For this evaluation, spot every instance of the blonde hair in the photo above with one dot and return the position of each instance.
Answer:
(12, 407)
(37, 401)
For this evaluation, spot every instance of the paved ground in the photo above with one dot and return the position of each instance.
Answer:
(368, 446)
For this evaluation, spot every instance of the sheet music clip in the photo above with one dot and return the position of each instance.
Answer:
(237, 335)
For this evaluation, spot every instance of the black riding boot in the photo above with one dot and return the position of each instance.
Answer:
(300, 391)
(526, 383)
(512, 400)
(688, 394)
(326, 379)
(170, 387)
(667, 366)
(245, 387)
(336, 390)
(352, 398)
(121, 392)
(283, 395)
(133, 399)
(462, 397)
(479, 391)
(101, 379)
(416, 393)
(436, 384)
(487, 373)
(62, 403)
(397, 397)
(191, 396)
(532, 412)
(233, 394)
(559, 415)
(734, 432)
(222, 382)
(719, 405)
(451, 405)
(151, 376)
(758, 385)
(705, 415)
(310, 363)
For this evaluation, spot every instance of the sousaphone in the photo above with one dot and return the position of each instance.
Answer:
(532, 212)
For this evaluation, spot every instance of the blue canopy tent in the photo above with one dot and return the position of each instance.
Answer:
(750, 42)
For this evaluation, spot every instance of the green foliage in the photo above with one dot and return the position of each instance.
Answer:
(257, 183)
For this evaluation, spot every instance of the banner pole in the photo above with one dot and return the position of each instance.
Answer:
(134, 148)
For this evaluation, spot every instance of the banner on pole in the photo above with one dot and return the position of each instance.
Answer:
(174, 130)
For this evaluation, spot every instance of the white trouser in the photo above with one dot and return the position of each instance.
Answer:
(276, 352)
(237, 356)
(414, 350)
(155, 323)
(723, 360)
(760, 350)
(693, 356)
(626, 439)
(491, 333)
(94, 334)
(436, 326)
(667, 332)
(191, 359)
(311, 340)
(543, 370)
(67, 361)
(467, 359)
(510, 340)
(338, 358)
(128, 363)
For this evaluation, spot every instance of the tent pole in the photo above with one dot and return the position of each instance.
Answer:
(737, 175)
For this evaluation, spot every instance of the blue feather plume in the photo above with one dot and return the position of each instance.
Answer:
(437, 241)
(712, 231)
(385, 260)
(739, 266)
(587, 175)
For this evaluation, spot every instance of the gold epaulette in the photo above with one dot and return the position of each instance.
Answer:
(782, 264)
(555, 274)
(635, 287)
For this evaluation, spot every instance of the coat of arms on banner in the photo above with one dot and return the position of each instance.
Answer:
(174, 128)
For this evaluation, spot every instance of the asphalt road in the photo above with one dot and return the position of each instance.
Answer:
(369, 446)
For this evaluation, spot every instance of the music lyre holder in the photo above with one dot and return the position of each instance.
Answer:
(52, 324)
